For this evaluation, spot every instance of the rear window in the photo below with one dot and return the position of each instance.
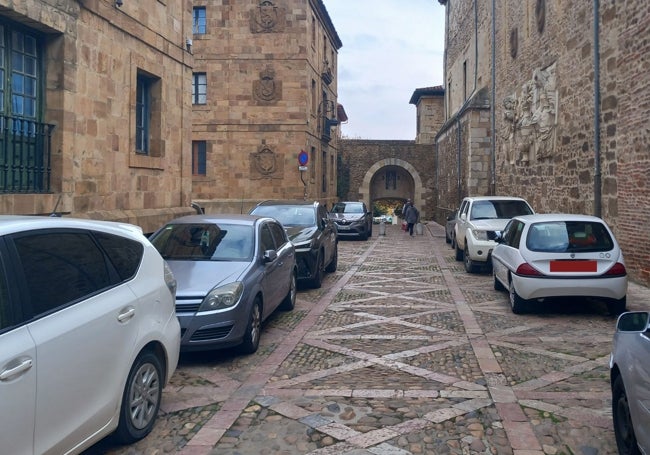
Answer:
(205, 242)
(569, 236)
(485, 210)
(288, 215)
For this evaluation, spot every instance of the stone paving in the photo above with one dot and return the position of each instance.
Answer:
(400, 352)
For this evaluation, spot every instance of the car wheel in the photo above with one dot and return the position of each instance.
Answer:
(447, 238)
(289, 301)
(623, 430)
(317, 280)
(517, 304)
(470, 266)
(453, 242)
(617, 306)
(334, 263)
(497, 284)
(252, 336)
(459, 252)
(141, 399)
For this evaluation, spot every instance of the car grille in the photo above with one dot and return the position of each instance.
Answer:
(187, 305)
(343, 222)
(211, 334)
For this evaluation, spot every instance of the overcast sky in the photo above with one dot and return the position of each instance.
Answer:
(390, 48)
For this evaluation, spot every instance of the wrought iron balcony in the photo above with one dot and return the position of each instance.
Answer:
(25, 155)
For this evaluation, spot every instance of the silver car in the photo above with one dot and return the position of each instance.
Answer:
(630, 381)
(233, 271)
(88, 332)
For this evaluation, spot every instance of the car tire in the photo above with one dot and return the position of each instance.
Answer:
(447, 238)
(289, 302)
(617, 306)
(623, 430)
(334, 263)
(470, 266)
(317, 280)
(141, 399)
(497, 284)
(453, 242)
(459, 252)
(517, 304)
(252, 335)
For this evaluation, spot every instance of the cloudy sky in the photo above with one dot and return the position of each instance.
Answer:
(390, 48)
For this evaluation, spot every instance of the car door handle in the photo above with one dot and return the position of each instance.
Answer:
(23, 365)
(126, 314)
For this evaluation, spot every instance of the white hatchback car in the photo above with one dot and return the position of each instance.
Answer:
(559, 255)
(629, 373)
(480, 219)
(88, 332)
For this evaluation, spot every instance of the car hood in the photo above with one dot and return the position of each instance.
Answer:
(299, 234)
(199, 277)
(498, 224)
(345, 216)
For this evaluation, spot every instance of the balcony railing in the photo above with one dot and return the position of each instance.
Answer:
(25, 152)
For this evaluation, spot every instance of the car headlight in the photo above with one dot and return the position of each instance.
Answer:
(479, 235)
(303, 245)
(223, 297)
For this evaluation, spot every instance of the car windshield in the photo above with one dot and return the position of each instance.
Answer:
(348, 207)
(205, 242)
(495, 209)
(288, 215)
(568, 236)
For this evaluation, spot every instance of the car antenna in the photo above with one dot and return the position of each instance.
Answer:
(54, 214)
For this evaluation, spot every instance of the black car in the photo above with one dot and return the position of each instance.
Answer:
(352, 219)
(312, 232)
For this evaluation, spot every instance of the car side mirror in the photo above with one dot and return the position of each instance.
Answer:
(633, 321)
(463, 216)
(270, 256)
(498, 237)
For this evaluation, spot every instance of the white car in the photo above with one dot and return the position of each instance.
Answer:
(480, 220)
(88, 332)
(559, 255)
(629, 373)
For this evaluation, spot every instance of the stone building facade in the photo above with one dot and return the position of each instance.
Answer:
(429, 105)
(95, 116)
(265, 89)
(548, 100)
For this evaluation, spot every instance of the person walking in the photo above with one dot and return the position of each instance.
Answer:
(407, 204)
(412, 216)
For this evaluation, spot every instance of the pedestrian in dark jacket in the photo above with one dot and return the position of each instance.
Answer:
(412, 216)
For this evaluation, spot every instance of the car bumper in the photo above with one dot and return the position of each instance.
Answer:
(537, 288)
(200, 332)
(306, 262)
(351, 230)
(480, 250)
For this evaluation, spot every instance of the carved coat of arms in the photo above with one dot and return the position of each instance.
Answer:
(267, 18)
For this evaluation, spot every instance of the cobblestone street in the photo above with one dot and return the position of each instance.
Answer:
(400, 352)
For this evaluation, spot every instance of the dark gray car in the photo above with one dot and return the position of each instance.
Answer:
(232, 271)
(352, 219)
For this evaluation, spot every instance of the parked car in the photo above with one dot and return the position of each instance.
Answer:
(556, 255)
(449, 227)
(312, 232)
(629, 373)
(479, 221)
(88, 333)
(352, 219)
(233, 271)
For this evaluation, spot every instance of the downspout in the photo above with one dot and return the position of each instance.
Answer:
(493, 185)
(597, 170)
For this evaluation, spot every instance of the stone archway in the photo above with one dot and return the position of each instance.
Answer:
(414, 189)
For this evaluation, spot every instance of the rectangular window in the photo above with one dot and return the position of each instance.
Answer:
(142, 114)
(199, 88)
(199, 157)
(198, 20)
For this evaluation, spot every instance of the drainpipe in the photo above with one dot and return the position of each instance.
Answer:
(597, 170)
(493, 184)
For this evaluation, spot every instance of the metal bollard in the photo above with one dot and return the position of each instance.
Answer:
(382, 227)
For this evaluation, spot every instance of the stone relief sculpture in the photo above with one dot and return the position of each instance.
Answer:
(530, 119)
(267, 18)
(267, 89)
(265, 164)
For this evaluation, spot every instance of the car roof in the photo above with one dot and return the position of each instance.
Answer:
(19, 223)
(223, 218)
(495, 198)
(288, 202)
(553, 217)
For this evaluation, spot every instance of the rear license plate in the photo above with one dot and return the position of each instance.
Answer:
(574, 266)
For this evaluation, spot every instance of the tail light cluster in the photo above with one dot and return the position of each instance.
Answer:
(526, 269)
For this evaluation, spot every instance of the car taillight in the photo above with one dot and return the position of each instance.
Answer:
(617, 269)
(527, 270)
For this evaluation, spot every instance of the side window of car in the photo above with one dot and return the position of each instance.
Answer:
(515, 237)
(124, 254)
(266, 239)
(60, 268)
(463, 208)
(279, 236)
(5, 315)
